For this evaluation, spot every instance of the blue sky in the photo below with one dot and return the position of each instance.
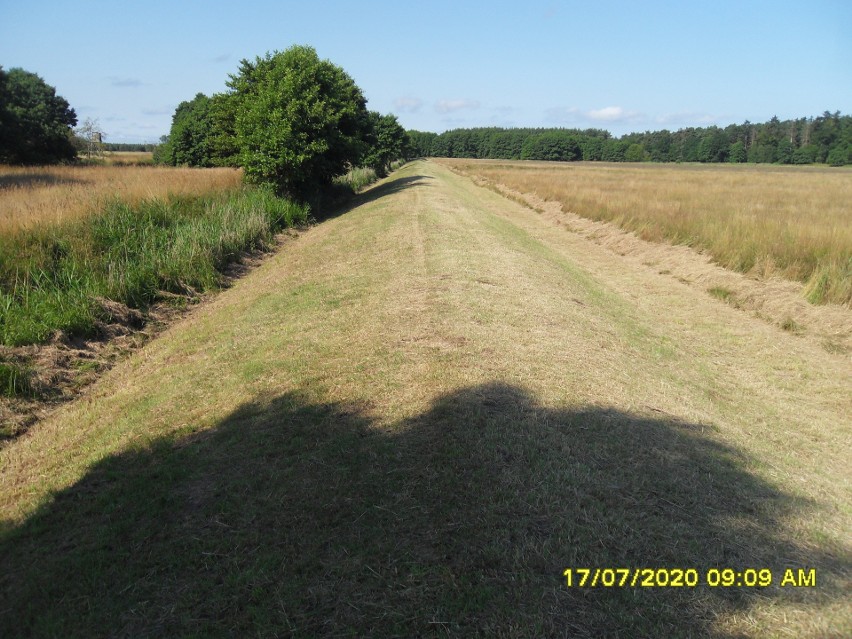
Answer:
(621, 66)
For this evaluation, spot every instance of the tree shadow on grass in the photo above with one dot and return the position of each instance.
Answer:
(324, 212)
(33, 180)
(292, 518)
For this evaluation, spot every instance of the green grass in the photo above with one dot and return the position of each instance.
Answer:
(357, 179)
(52, 277)
(14, 381)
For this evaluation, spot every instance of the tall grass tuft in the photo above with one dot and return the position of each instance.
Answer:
(51, 276)
(356, 179)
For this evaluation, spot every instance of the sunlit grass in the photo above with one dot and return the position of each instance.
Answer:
(792, 222)
(52, 276)
(32, 196)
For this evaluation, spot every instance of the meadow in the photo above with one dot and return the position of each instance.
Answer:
(792, 222)
(410, 422)
(81, 245)
(38, 196)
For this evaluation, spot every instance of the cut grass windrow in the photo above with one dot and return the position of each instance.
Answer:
(765, 221)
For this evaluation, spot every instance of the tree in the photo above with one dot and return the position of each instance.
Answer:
(557, 146)
(91, 138)
(387, 141)
(35, 123)
(634, 153)
(189, 137)
(737, 153)
(163, 151)
(300, 121)
(421, 143)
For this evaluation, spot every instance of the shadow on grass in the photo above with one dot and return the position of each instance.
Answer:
(342, 204)
(33, 180)
(301, 519)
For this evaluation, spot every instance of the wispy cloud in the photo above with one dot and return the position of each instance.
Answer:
(613, 114)
(451, 106)
(688, 118)
(124, 82)
(562, 114)
(609, 115)
(407, 104)
(160, 111)
(221, 58)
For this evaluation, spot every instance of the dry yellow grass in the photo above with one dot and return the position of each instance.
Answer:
(32, 196)
(420, 413)
(123, 158)
(793, 222)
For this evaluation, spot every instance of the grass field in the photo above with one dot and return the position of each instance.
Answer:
(128, 158)
(90, 244)
(38, 196)
(793, 222)
(410, 422)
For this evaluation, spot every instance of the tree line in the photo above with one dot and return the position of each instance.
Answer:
(294, 121)
(826, 139)
(291, 120)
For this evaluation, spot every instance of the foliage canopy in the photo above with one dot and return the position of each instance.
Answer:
(35, 122)
(299, 121)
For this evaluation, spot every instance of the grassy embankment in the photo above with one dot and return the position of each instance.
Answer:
(791, 222)
(70, 237)
(410, 423)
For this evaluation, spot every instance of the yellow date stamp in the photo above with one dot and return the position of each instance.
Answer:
(689, 577)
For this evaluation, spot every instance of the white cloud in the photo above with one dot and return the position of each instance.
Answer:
(613, 114)
(450, 106)
(407, 104)
(688, 118)
(609, 115)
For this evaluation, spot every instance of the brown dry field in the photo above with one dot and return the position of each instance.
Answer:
(766, 221)
(38, 196)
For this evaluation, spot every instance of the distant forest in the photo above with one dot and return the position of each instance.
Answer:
(826, 139)
(127, 146)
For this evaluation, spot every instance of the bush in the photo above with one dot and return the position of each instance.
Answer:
(840, 156)
(299, 121)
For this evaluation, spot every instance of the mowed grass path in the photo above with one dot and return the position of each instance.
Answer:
(410, 421)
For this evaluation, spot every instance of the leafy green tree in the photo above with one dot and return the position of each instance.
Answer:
(163, 151)
(35, 123)
(805, 155)
(223, 137)
(387, 141)
(840, 155)
(556, 146)
(714, 145)
(737, 153)
(784, 152)
(300, 121)
(421, 143)
(189, 137)
(635, 153)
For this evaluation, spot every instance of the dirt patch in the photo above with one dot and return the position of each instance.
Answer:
(777, 301)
